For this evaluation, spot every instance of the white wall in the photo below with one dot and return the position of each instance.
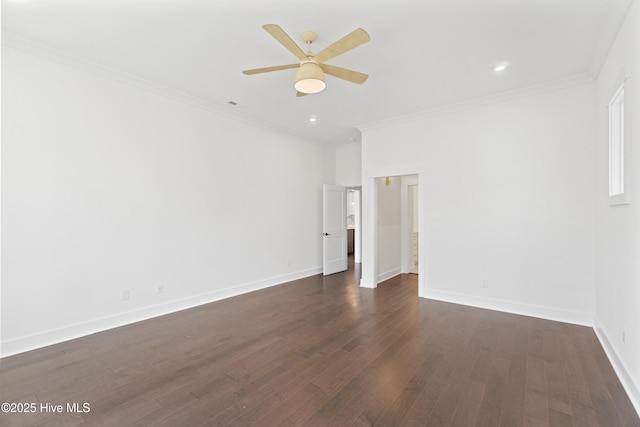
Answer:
(108, 187)
(508, 193)
(618, 227)
(349, 165)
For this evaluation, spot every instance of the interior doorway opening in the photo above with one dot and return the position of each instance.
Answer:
(354, 221)
(397, 226)
(393, 220)
(410, 224)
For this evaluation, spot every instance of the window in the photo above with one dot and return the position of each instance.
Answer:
(618, 191)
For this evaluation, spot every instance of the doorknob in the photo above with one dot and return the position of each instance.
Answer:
(325, 234)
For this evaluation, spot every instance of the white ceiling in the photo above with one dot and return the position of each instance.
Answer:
(423, 54)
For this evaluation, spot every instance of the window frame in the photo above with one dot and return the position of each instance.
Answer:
(618, 150)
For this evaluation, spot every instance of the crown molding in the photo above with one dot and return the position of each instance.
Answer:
(550, 86)
(44, 51)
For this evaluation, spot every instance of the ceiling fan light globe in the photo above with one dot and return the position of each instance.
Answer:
(309, 78)
(310, 86)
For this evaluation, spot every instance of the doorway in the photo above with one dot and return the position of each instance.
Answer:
(374, 247)
(410, 224)
(354, 228)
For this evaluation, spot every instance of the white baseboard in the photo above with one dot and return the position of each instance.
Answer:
(584, 319)
(55, 336)
(632, 389)
(388, 274)
(368, 283)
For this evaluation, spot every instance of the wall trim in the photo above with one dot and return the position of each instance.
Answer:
(574, 80)
(388, 274)
(366, 283)
(576, 318)
(632, 389)
(55, 336)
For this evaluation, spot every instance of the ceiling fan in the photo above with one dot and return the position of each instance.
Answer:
(311, 69)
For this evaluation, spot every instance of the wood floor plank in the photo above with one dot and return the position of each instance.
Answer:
(323, 351)
(512, 411)
(420, 412)
(559, 419)
(578, 387)
(557, 395)
(494, 398)
(385, 379)
(511, 365)
(451, 395)
(395, 412)
(288, 388)
(354, 381)
(536, 410)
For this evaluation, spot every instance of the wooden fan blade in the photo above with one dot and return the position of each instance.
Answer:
(286, 41)
(269, 69)
(344, 74)
(299, 94)
(345, 44)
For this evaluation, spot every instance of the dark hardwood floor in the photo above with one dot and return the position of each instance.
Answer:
(324, 352)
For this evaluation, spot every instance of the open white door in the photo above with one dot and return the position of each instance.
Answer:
(334, 227)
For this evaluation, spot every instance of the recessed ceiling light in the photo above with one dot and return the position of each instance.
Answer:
(500, 67)
(312, 119)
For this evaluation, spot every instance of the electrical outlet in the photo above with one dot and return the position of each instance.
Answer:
(624, 336)
(485, 284)
(288, 263)
(124, 294)
(160, 288)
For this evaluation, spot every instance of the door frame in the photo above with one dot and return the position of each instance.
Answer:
(357, 198)
(369, 278)
(405, 229)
